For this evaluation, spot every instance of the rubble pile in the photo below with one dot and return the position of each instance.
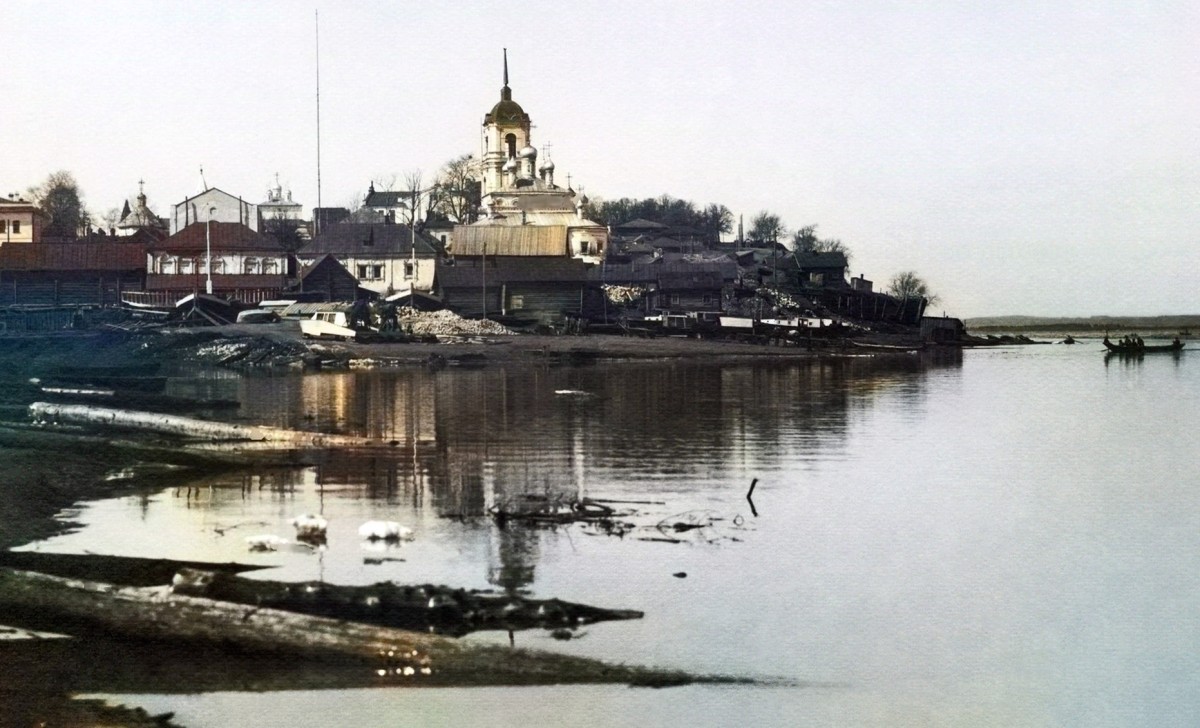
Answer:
(447, 323)
(623, 294)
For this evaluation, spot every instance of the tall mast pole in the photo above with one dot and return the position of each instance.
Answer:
(317, 22)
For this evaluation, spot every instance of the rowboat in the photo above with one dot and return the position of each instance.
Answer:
(1135, 349)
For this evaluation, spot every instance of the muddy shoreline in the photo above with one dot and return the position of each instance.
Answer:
(49, 470)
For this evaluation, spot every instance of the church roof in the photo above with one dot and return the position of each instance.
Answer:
(510, 240)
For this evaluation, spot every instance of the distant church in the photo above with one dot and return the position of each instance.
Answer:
(523, 211)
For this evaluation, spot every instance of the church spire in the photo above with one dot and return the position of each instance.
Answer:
(506, 92)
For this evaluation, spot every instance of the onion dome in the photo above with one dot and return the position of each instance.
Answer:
(506, 112)
(510, 165)
(527, 152)
(547, 166)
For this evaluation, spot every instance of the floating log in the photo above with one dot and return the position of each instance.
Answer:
(122, 570)
(50, 413)
(131, 384)
(156, 616)
(423, 608)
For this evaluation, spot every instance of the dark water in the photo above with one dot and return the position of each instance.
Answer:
(1011, 538)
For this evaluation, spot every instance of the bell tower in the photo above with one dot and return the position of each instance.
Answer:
(505, 134)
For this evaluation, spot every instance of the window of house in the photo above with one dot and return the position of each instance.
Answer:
(167, 266)
(370, 272)
(3, 226)
(408, 269)
(250, 266)
(218, 266)
(707, 299)
(674, 299)
(185, 265)
(270, 265)
(16, 226)
(515, 302)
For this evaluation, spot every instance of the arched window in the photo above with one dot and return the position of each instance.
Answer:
(510, 141)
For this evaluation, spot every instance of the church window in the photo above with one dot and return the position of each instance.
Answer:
(511, 142)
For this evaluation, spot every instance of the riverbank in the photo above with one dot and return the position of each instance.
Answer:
(52, 468)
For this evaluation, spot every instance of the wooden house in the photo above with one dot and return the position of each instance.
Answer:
(327, 280)
(379, 255)
(527, 290)
(70, 274)
(819, 270)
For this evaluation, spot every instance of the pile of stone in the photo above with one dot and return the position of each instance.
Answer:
(447, 323)
(621, 295)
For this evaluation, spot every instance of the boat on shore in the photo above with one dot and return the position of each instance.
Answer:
(1140, 348)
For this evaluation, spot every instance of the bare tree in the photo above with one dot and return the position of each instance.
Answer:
(61, 202)
(907, 284)
(457, 190)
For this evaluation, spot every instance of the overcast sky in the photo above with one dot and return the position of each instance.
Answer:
(1029, 158)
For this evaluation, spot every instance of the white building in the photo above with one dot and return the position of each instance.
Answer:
(279, 205)
(223, 207)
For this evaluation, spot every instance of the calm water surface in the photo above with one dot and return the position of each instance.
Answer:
(1011, 538)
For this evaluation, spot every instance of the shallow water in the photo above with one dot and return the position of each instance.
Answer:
(1006, 539)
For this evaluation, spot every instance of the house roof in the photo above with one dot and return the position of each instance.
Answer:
(226, 237)
(727, 270)
(325, 261)
(524, 240)
(820, 260)
(641, 223)
(346, 239)
(689, 280)
(73, 256)
(501, 271)
(387, 199)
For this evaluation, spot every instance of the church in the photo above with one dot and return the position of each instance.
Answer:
(523, 211)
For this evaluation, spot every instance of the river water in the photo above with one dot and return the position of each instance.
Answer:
(1010, 537)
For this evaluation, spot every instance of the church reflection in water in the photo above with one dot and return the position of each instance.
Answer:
(465, 440)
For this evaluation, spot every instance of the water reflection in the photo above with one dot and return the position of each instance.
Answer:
(468, 439)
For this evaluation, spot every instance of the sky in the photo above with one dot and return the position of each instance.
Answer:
(1036, 158)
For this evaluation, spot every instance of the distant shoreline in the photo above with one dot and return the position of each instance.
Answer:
(1181, 325)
